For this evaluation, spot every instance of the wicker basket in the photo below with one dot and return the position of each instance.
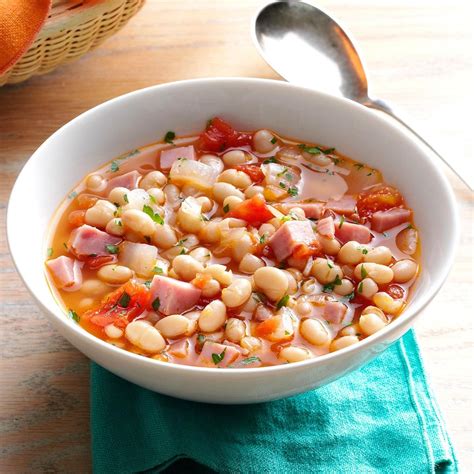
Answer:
(72, 28)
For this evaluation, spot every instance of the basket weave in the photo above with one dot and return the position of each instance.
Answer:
(72, 29)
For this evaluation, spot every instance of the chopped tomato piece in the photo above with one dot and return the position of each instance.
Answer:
(254, 171)
(77, 218)
(378, 198)
(303, 251)
(254, 211)
(267, 327)
(121, 306)
(85, 201)
(97, 262)
(219, 135)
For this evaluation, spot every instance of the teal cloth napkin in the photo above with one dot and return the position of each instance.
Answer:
(381, 418)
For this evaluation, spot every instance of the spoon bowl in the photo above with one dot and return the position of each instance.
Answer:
(307, 47)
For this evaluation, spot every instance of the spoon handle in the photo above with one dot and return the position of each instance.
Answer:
(378, 104)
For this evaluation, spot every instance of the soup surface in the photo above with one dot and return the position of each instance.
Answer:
(233, 249)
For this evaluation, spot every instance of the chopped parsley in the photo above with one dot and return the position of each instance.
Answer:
(330, 286)
(201, 339)
(385, 234)
(147, 283)
(263, 238)
(226, 208)
(204, 218)
(359, 166)
(156, 304)
(316, 150)
(273, 140)
(125, 198)
(364, 251)
(114, 166)
(183, 251)
(73, 315)
(216, 358)
(341, 221)
(409, 226)
(272, 159)
(181, 242)
(250, 360)
(363, 272)
(156, 217)
(282, 185)
(113, 249)
(157, 269)
(329, 263)
(350, 295)
(152, 199)
(169, 137)
(72, 195)
(281, 173)
(283, 302)
(65, 246)
(124, 300)
(360, 288)
(258, 297)
(293, 191)
(49, 252)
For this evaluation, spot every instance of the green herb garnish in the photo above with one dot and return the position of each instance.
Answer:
(72, 195)
(293, 191)
(216, 358)
(125, 198)
(363, 272)
(282, 185)
(157, 269)
(73, 315)
(170, 136)
(341, 221)
(330, 286)
(283, 302)
(114, 166)
(156, 304)
(359, 166)
(156, 217)
(152, 199)
(50, 251)
(360, 288)
(113, 249)
(147, 283)
(263, 238)
(272, 159)
(250, 360)
(226, 208)
(273, 140)
(124, 300)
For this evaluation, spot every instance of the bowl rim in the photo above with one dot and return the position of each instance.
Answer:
(403, 319)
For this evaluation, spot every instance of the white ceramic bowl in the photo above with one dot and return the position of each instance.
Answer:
(143, 117)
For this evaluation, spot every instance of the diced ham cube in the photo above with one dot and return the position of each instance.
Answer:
(141, 258)
(345, 206)
(346, 231)
(86, 241)
(127, 180)
(334, 312)
(66, 273)
(312, 210)
(326, 227)
(175, 296)
(168, 157)
(179, 348)
(291, 234)
(227, 353)
(384, 220)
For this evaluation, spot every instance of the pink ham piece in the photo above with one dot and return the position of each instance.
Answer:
(127, 180)
(312, 210)
(346, 231)
(345, 206)
(209, 348)
(168, 157)
(66, 273)
(384, 220)
(86, 241)
(175, 296)
(334, 312)
(291, 234)
(326, 227)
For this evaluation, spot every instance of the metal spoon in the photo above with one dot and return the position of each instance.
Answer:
(307, 47)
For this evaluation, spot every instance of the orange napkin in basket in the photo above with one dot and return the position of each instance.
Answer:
(20, 22)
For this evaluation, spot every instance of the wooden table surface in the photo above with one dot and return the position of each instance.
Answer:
(419, 57)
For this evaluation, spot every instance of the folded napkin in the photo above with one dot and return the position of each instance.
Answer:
(20, 22)
(382, 418)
